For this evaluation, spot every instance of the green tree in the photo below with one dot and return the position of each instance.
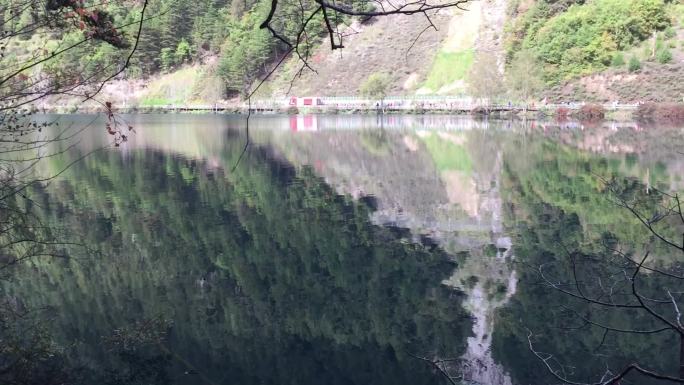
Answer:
(376, 86)
(167, 58)
(618, 60)
(183, 52)
(664, 56)
(485, 81)
(634, 64)
(246, 52)
(524, 77)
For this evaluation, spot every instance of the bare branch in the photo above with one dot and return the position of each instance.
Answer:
(436, 364)
(646, 307)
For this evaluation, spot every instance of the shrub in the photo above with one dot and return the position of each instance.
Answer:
(673, 112)
(659, 43)
(591, 112)
(618, 60)
(669, 32)
(664, 56)
(376, 86)
(646, 52)
(562, 113)
(634, 64)
(479, 111)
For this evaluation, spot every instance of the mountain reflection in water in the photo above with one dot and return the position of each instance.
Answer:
(335, 251)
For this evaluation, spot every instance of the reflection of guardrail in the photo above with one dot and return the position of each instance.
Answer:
(456, 103)
(323, 122)
(395, 103)
(577, 106)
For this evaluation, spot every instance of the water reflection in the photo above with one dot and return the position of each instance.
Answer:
(265, 274)
(338, 247)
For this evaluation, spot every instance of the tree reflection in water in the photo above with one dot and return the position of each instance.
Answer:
(266, 275)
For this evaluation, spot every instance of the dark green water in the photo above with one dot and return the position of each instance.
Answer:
(334, 249)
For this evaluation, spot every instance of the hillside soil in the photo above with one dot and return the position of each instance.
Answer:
(393, 45)
(654, 82)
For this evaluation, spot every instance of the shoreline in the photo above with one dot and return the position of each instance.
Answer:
(573, 111)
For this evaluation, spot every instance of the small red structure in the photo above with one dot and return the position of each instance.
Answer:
(306, 101)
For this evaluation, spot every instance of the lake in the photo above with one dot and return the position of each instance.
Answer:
(335, 249)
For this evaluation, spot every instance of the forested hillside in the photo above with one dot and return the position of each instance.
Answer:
(210, 50)
(181, 32)
(575, 37)
(623, 44)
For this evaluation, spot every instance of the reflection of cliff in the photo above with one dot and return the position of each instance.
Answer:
(414, 184)
(398, 173)
(485, 275)
(444, 185)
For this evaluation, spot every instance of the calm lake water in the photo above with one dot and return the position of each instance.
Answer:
(333, 249)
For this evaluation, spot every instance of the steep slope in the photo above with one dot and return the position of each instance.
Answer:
(419, 60)
(384, 45)
(654, 82)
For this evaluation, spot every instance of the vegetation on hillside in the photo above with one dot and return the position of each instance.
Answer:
(376, 86)
(449, 67)
(576, 37)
